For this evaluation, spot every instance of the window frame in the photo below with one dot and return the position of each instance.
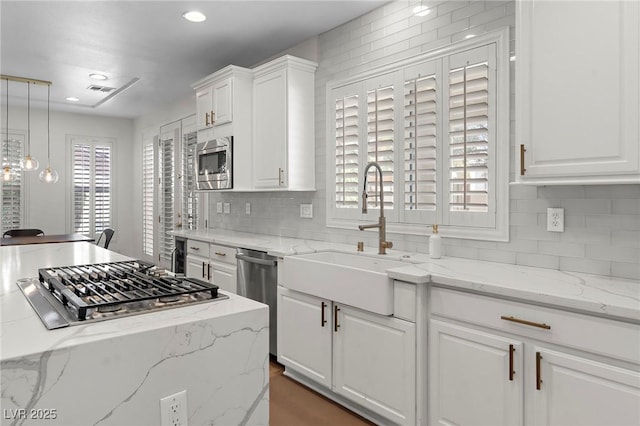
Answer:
(92, 141)
(499, 161)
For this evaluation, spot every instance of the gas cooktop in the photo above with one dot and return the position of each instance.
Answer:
(70, 295)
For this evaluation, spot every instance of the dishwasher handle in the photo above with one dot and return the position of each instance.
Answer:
(255, 260)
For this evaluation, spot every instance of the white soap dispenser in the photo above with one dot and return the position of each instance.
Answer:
(435, 244)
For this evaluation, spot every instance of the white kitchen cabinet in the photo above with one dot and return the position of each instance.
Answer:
(577, 92)
(568, 368)
(366, 358)
(304, 335)
(476, 377)
(214, 102)
(212, 263)
(283, 126)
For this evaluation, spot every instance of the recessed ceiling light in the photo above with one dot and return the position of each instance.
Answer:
(421, 10)
(100, 77)
(194, 16)
(72, 99)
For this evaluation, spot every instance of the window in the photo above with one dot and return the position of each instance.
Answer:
(438, 127)
(91, 179)
(147, 199)
(189, 196)
(13, 194)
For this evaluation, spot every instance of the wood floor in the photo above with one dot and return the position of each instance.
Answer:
(291, 404)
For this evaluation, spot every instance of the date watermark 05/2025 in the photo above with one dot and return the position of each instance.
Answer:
(32, 414)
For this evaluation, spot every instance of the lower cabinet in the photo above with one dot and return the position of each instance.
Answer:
(364, 357)
(219, 267)
(504, 363)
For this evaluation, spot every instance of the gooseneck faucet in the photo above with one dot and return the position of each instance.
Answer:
(382, 223)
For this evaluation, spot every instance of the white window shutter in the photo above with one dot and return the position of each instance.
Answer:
(189, 196)
(13, 190)
(166, 191)
(346, 152)
(147, 198)
(380, 145)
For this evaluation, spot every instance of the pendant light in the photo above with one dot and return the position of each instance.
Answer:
(48, 175)
(29, 163)
(6, 173)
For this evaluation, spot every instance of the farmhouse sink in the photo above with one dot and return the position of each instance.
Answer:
(355, 280)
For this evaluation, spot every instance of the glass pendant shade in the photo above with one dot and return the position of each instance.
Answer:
(48, 175)
(29, 163)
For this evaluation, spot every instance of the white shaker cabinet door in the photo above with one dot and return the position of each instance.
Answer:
(204, 108)
(475, 378)
(578, 92)
(375, 362)
(304, 335)
(571, 390)
(224, 276)
(197, 267)
(223, 101)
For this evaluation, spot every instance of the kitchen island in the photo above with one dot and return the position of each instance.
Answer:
(115, 372)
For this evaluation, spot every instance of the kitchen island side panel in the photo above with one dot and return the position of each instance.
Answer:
(221, 362)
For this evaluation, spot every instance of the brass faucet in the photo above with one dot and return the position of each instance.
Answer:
(382, 223)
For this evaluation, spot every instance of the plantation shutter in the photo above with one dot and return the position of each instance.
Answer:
(147, 199)
(346, 154)
(420, 143)
(12, 191)
(189, 198)
(380, 140)
(166, 196)
(82, 189)
(471, 124)
(91, 185)
(102, 177)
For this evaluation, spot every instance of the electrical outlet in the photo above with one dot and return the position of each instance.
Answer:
(247, 208)
(218, 207)
(555, 220)
(306, 211)
(227, 208)
(173, 409)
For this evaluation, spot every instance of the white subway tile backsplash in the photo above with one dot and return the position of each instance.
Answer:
(602, 222)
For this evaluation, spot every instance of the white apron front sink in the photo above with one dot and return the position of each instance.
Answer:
(356, 280)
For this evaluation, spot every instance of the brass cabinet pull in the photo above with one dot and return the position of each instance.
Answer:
(212, 118)
(220, 254)
(511, 372)
(323, 320)
(280, 179)
(538, 374)
(194, 248)
(335, 318)
(206, 118)
(522, 151)
(525, 322)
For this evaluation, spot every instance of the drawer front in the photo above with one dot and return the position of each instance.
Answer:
(602, 336)
(199, 248)
(223, 254)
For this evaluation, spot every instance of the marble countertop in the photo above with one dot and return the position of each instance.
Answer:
(22, 333)
(611, 297)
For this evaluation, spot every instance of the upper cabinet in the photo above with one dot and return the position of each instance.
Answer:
(283, 125)
(577, 92)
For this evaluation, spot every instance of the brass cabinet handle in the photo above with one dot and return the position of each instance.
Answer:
(206, 118)
(335, 318)
(525, 322)
(511, 372)
(538, 374)
(522, 151)
(195, 248)
(280, 176)
(212, 116)
(220, 254)
(323, 321)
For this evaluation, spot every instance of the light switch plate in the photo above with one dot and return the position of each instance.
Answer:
(555, 219)
(306, 211)
(227, 208)
(218, 207)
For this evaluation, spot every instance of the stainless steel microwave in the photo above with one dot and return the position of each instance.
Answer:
(215, 164)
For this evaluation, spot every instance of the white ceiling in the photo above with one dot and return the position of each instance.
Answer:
(64, 41)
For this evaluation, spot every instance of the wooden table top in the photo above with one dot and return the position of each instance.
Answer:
(45, 239)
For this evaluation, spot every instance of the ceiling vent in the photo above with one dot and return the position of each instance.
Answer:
(102, 89)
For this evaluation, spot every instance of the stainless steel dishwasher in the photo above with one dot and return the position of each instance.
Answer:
(258, 280)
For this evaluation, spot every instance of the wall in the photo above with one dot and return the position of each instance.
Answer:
(602, 223)
(49, 205)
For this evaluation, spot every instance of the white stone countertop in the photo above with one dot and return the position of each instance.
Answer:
(22, 333)
(611, 297)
